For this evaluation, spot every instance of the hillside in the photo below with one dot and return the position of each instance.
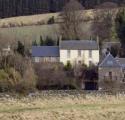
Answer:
(39, 19)
(11, 8)
(30, 28)
(27, 20)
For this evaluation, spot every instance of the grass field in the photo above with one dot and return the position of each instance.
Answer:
(31, 33)
(64, 107)
(34, 19)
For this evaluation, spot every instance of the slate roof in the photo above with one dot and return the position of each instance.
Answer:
(121, 61)
(109, 61)
(106, 45)
(45, 51)
(79, 45)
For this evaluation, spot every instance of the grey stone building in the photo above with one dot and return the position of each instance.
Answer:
(111, 73)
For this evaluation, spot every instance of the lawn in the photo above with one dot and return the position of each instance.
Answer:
(63, 106)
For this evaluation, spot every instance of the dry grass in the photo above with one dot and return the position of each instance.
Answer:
(64, 107)
(27, 29)
(34, 19)
(31, 33)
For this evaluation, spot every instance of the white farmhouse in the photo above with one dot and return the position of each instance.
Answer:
(79, 52)
(73, 51)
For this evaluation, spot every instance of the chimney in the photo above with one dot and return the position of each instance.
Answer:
(97, 39)
(60, 39)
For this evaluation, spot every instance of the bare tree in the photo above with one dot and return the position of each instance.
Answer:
(80, 74)
(50, 75)
(102, 25)
(108, 5)
(72, 19)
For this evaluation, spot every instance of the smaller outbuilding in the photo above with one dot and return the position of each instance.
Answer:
(45, 54)
(111, 72)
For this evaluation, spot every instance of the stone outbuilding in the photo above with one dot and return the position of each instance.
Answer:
(111, 73)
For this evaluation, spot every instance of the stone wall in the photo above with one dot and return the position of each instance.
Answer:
(110, 83)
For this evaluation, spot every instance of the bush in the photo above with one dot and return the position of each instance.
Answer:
(68, 66)
(41, 41)
(20, 48)
(15, 61)
(49, 41)
(51, 20)
(51, 75)
(91, 73)
(17, 75)
(34, 43)
(9, 78)
(28, 82)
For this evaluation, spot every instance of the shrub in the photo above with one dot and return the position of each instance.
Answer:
(20, 48)
(15, 61)
(17, 75)
(41, 22)
(51, 75)
(92, 73)
(34, 43)
(28, 82)
(68, 66)
(51, 20)
(49, 41)
(41, 41)
(9, 78)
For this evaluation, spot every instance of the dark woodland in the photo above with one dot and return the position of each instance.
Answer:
(11, 8)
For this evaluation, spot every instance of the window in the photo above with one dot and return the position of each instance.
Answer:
(37, 59)
(110, 75)
(68, 53)
(79, 53)
(90, 53)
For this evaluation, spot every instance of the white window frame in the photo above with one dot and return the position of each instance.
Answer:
(37, 59)
(68, 53)
(90, 53)
(79, 53)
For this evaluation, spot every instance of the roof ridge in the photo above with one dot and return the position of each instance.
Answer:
(45, 46)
